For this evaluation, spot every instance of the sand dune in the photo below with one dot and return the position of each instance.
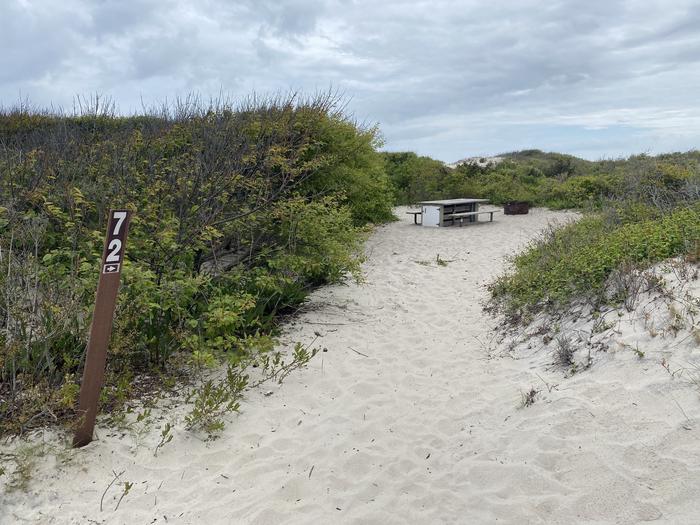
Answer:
(411, 416)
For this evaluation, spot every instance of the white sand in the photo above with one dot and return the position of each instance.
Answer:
(423, 428)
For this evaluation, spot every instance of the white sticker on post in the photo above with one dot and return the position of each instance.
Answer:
(111, 268)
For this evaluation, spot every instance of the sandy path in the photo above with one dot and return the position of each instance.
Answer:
(422, 428)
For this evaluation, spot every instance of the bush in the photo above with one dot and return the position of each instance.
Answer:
(576, 260)
(239, 212)
(415, 178)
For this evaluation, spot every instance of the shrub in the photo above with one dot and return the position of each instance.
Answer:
(577, 260)
(240, 210)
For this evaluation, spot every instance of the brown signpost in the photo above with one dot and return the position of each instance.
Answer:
(101, 329)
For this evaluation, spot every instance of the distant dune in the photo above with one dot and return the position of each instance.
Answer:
(482, 162)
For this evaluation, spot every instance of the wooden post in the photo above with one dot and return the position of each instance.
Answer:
(101, 329)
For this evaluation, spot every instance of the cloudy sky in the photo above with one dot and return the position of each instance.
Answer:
(449, 79)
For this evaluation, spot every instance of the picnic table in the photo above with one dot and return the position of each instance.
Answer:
(449, 212)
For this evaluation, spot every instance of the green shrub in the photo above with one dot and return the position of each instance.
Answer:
(354, 172)
(576, 260)
(239, 212)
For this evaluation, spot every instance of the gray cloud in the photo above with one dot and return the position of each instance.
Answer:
(445, 78)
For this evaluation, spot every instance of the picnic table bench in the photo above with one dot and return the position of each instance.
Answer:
(453, 216)
(449, 212)
(461, 216)
(415, 216)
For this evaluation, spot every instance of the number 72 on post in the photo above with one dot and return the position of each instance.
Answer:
(114, 246)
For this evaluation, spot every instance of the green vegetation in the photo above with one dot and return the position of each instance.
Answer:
(579, 260)
(551, 180)
(638, 211)
(540, 178)
(418, 178)
(240, 211)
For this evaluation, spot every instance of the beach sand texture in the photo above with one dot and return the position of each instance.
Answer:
(410, 416)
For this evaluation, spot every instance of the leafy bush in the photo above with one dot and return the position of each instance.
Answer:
(239, 212)
(576, 261)
(417, 178)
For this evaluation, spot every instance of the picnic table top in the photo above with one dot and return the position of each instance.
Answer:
(448, 202)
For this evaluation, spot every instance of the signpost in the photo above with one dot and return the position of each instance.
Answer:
(101, 329)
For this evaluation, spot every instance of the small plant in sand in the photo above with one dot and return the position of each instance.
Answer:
(19, 466)
(639, 353)
(135, 419)
(600, 325)
(127, 486)
(166, 437)
(439, 261)
(216, 398)
(564, 352)
(677, 320)
(19, 460)
(627, 281)
(667, 366)
(529, 397)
